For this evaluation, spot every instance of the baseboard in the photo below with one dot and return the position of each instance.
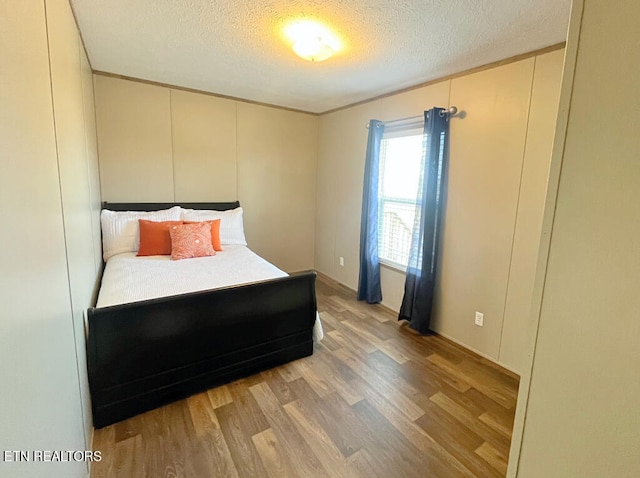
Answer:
(336, 283)
(481, 354)
(327, 279)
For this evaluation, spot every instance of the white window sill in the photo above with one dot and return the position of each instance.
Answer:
(393, 266)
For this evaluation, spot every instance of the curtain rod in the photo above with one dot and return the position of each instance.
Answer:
(452, 111)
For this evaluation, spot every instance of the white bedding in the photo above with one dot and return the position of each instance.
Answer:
(128, 278)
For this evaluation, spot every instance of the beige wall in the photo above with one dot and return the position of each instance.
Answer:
(582, 417)
(134, 141)
(498, 162)
(78, 170)
(48, 256)
(276, 183)
(204, 147)
(342, 142)
(516, 346)
(162, 144)
(93, 167)
(486, 152)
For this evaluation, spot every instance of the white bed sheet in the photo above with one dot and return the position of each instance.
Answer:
(128, 278)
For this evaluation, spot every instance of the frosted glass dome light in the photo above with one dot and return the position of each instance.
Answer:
(312, 40)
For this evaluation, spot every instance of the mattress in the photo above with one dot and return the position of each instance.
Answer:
(128, 278)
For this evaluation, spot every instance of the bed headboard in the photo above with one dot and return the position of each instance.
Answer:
(156, 206)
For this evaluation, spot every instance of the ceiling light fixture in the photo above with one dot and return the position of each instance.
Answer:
(312, 40)
(312, 49)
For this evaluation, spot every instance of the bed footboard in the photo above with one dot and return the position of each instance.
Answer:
(147, 354)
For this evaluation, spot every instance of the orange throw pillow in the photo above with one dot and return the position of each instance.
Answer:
(191, 240)
(154, 237)
(215, 232)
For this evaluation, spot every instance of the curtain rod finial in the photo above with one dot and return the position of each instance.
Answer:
(451, 111)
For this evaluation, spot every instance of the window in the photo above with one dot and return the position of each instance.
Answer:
(400, 157)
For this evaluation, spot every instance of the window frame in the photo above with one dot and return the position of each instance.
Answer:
(412, 129)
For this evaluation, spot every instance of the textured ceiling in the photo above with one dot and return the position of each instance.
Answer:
(236, 47)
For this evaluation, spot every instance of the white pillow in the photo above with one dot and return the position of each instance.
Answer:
(231, 227)
(120, 231)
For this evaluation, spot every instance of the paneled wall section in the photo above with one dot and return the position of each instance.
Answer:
(582, 415)
(499, 157)
(50, 255)
(163, 144)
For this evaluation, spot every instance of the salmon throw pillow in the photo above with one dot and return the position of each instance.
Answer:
(215, 233)
(155, 239)
(191, 240)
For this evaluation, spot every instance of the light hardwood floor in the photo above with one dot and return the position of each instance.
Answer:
(374, 400)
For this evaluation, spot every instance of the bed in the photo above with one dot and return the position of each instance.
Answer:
(163, 344)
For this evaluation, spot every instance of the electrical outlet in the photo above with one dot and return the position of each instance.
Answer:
(479, 319)
(342, 261)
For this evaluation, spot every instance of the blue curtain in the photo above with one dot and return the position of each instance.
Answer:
(421, 271)
(369, 280)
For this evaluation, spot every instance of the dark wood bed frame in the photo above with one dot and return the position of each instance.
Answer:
(146, 354)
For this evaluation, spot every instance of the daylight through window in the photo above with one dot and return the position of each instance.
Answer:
(400, 156)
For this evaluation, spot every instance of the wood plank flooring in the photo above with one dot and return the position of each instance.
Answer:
(374, 400)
